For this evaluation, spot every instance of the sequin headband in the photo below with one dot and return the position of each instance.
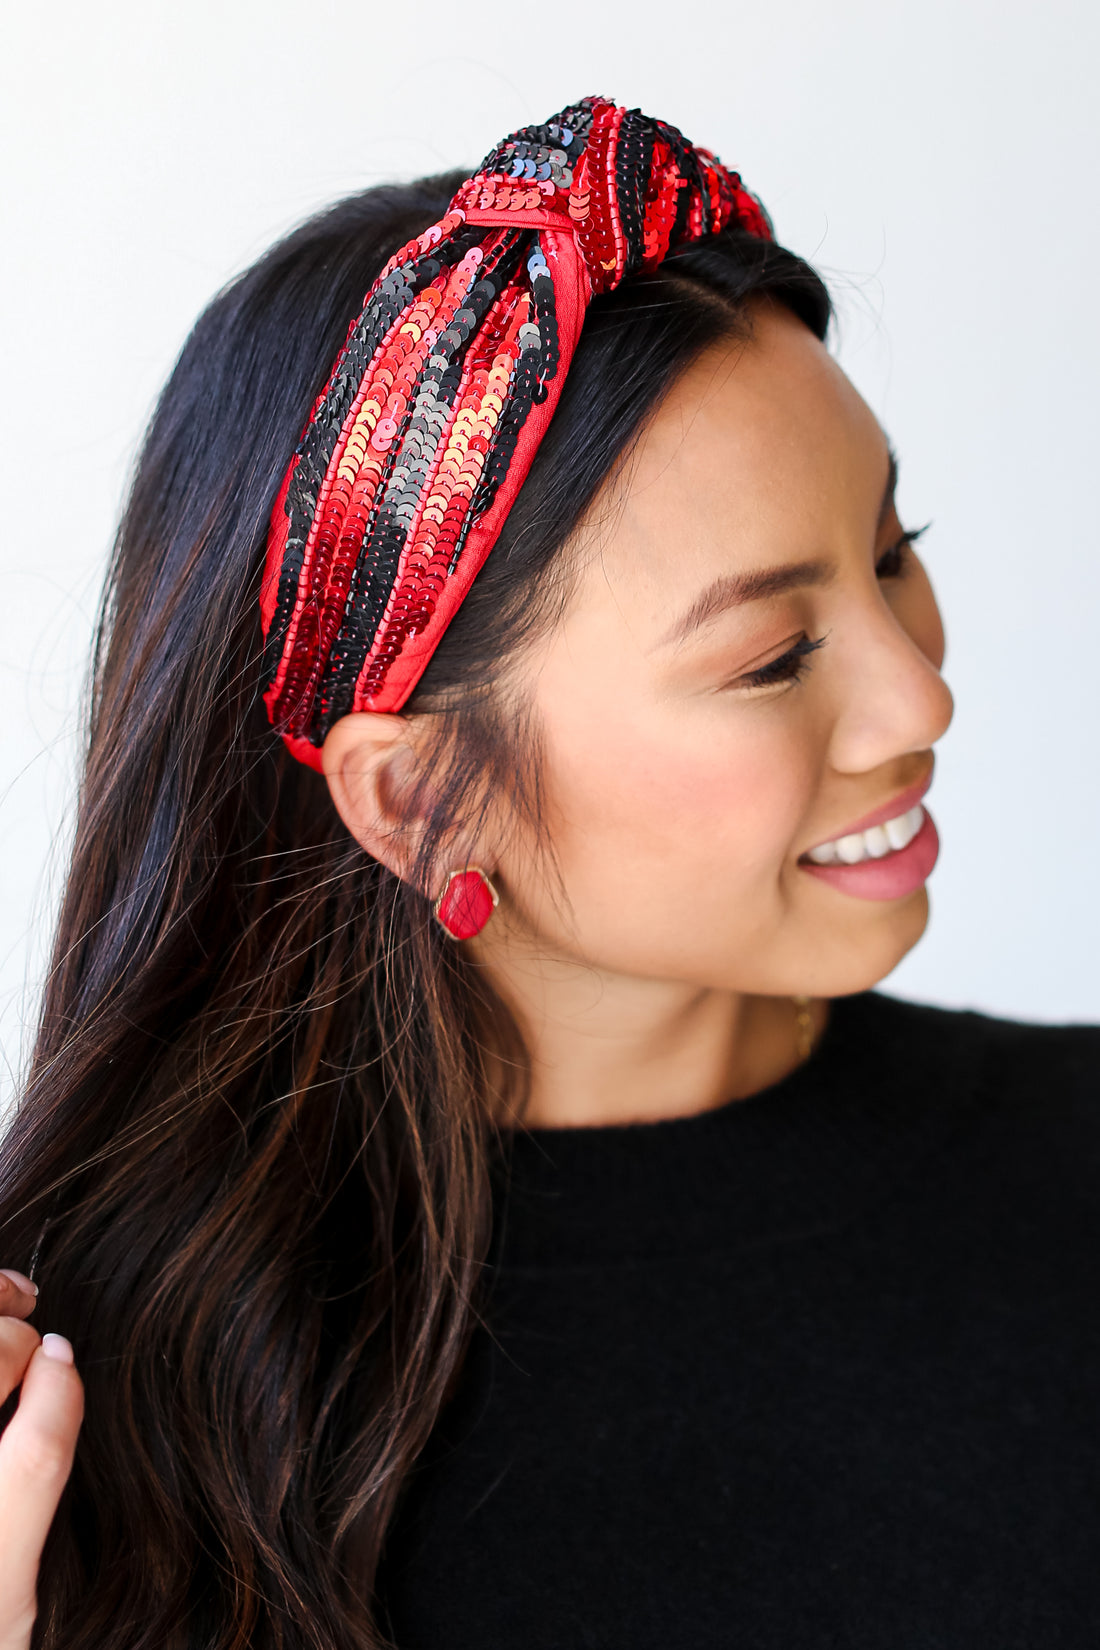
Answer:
(421, 438)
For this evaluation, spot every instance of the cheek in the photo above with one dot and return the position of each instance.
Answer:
(697, 804)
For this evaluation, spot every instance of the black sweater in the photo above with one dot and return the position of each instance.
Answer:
(819, 1368)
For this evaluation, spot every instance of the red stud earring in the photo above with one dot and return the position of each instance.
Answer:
(467, 902)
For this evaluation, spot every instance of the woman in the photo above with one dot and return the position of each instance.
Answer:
(487, 1202)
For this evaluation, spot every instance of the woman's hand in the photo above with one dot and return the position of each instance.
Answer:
(36, 1450)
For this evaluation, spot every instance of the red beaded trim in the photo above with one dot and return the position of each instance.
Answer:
(424, 432)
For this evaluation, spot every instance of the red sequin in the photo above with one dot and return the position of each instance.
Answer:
(408, 459)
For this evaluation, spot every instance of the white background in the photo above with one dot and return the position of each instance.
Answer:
(937, 160)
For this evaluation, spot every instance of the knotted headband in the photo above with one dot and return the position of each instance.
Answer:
(421, 438)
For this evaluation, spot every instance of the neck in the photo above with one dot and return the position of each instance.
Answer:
(609, 1048)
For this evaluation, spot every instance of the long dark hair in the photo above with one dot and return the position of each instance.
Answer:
(249, 1165)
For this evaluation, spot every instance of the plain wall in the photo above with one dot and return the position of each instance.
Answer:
(938, 162)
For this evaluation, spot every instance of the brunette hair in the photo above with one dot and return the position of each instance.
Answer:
(250, 1162)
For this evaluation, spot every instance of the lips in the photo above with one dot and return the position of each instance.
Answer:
(874, 868)
(901, 804)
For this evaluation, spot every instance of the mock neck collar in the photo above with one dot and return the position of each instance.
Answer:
(886, 1084)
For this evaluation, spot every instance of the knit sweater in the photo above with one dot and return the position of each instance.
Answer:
(818, 1369)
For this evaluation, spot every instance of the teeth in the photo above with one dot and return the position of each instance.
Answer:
(902, 831)
(850, 849)
(871, 844)
(878, 843)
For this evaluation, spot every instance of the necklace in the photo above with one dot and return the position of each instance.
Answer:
(804, 1027)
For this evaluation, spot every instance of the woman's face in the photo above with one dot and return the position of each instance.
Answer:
(693, 751)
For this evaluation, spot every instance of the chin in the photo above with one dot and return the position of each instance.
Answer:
(874, 950)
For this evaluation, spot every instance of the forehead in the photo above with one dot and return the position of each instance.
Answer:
(762, 450)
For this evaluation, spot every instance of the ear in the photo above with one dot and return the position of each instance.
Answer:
(376, 777)
(371, 768)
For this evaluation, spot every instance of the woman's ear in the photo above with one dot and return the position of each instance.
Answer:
(375, 780)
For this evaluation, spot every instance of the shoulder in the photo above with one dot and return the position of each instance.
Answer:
(1003, 1057)
(1020, 1099)
(1013, 1104)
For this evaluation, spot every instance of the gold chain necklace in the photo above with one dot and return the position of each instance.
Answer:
(804, 1027)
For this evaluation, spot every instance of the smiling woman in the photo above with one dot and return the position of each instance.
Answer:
(631, 1272)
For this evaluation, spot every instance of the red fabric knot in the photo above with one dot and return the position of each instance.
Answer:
(426, 428)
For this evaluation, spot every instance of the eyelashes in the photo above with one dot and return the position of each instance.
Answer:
(893, 562)
(792, 665)
(787, 668)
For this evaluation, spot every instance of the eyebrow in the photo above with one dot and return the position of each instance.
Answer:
(734, 589)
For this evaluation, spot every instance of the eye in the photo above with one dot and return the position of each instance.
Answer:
(787, 668)
(893, 563)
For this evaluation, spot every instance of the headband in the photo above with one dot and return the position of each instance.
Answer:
(415, 449)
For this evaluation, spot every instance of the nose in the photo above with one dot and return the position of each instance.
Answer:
(895, 701)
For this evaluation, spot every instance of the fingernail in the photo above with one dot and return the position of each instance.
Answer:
(58, 1348)
(20, 1281)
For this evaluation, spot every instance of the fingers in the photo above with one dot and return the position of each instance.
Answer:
(36, 1457)
(36, 1449)
(17, 1294)
(18, 1344)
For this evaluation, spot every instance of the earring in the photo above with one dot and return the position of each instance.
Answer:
(467, 902)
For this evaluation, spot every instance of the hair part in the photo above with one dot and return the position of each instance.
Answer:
(251, 1162)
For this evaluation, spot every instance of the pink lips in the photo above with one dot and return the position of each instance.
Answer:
(895, 874)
